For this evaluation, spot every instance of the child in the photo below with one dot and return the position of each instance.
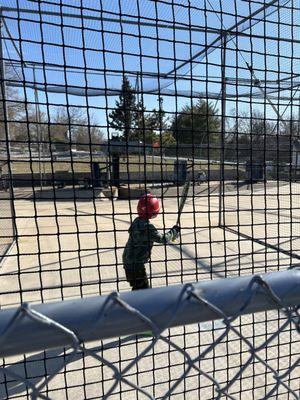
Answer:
(142, 235)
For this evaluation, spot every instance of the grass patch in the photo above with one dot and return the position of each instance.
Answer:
(83, 165)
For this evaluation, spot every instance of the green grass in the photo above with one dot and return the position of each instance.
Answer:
(131, 164)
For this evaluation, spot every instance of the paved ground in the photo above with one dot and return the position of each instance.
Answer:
(6, 231)
(73, 248)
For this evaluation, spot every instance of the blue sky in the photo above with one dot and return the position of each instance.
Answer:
(104, 42)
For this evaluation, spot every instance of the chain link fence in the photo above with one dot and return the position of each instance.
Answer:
(256, 366)
(103, 101)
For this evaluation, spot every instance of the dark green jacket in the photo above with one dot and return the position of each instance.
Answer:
(142, 235)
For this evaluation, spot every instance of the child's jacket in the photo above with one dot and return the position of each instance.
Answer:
(142, 235)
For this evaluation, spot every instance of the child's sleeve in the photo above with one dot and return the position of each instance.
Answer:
(158, 237)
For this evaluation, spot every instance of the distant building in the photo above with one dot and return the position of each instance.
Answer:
(120, 147)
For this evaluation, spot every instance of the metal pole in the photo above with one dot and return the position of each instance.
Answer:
(298, 125)
(4, 118)
(153, 164)
(295, 150)
(180, 26)
(160, 128)
(38, 127)
(223, 130)
(121, 314)
(139, 126)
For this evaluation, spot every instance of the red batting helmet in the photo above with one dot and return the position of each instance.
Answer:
(148, 206)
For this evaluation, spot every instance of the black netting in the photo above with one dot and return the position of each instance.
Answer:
(7, 227)
(105, 101)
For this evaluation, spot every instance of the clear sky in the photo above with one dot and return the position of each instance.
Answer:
(81, 55)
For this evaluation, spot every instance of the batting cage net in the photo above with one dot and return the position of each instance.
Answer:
(149, 144)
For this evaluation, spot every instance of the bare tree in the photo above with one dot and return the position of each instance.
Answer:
(251, 136)
(71, 126)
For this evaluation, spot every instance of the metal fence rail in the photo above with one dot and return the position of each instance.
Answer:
(72, 323)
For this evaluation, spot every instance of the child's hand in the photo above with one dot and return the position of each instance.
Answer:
(176, 231)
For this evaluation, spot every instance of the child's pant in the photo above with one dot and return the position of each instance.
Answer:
(136, 276)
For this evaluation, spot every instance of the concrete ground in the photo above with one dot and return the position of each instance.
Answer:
(73, 248)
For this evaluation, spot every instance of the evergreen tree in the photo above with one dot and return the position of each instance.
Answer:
(194, 124)
(123, 117)
(147, 126)
(152, 126)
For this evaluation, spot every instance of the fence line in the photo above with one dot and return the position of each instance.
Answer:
(70, 323)
(28, 328)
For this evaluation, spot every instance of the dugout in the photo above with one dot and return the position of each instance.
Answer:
(254, 171)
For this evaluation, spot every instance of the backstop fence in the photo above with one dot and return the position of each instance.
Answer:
(103, 102)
